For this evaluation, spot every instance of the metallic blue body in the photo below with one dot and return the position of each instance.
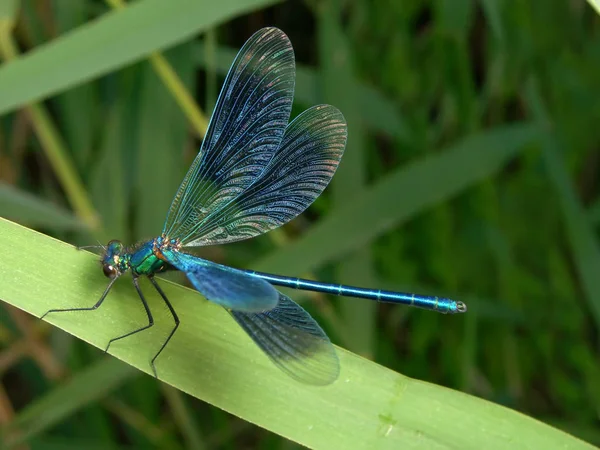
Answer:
(439, 304)
(226, 286)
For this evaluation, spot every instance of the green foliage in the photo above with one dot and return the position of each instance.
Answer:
(471, 162)
(206, 357)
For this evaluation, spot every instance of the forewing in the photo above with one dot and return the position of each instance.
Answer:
(245, 130)
(226, 286)
(300, 170)
(294, 341)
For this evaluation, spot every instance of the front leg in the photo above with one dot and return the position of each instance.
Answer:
(92, 308)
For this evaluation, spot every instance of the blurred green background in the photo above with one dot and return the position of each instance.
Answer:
(471, 172)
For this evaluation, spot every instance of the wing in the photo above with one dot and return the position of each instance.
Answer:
(309, 155)
(245, 130)
(292, 339)
(224, 285)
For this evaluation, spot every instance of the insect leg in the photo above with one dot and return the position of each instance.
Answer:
(145, 327)
(96, 306)
(175, 318)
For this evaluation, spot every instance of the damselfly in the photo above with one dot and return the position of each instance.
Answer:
(254, 172)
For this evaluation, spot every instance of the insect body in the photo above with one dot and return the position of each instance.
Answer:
(255, 171)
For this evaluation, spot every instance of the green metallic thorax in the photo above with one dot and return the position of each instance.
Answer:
(143, 261)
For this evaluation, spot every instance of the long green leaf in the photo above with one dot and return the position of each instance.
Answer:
(211, 358)
(584, 244)
(27, 208)
(595, 4)
(89, 385)
(114, 40)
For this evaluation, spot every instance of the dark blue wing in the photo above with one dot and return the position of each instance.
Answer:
(309, 155)
(224, 285)
(294, 341)
(245, 130)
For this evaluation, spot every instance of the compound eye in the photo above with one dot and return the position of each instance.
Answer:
(114, 247)
(109, 271)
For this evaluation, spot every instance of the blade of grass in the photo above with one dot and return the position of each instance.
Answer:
(157, 436)
(8, 9)
(114, 40)
(27, 208)
(594, 212)
(183, 418)
(210, 52)
(402, 195)
(211, 358)
(63, 166)
(184, 98)
(87, 386)
(111, 198)
(79, 134)
(584, 245)
(595, 4)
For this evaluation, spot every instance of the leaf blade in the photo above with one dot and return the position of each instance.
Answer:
(380, 408)
(114, 40)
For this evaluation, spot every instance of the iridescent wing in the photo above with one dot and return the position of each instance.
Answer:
(245, 130)
(292, 339)
(226, 286)
(302, 167)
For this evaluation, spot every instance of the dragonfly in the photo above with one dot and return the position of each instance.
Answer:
(255, 171)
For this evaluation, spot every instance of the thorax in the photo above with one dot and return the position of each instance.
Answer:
(143, 261)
